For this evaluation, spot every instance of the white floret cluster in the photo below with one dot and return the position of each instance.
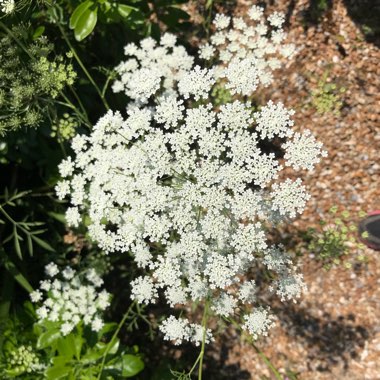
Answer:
(247, 51)
(71, 300)
(7, 6)
(179, 330)
(186, 186)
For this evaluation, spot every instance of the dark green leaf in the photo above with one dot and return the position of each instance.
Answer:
(17, 243)
(38, 32)
(30, 244)
(18, 276)
(59, 217)
(42, 243)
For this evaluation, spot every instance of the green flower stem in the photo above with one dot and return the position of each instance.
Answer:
(266, 360)
(69, 104)
(202, 352)
(80, 103)
(83, 67)
(114, 336)
(204, 325)
(106, 85)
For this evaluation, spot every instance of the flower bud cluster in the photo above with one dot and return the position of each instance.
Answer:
(23, 360)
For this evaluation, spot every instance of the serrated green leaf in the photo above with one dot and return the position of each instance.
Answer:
(78, 11)
(86, 24)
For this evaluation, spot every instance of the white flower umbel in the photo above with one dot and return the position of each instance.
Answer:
(185, 184)
(258, 322)
(178, 330)
(71, 300)
(303, 152)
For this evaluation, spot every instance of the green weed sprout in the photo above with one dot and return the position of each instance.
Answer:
(335, 240)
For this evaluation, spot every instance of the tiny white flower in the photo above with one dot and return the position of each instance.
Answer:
(258, 322)
(7, 6)
(51, 270)
(36, 296)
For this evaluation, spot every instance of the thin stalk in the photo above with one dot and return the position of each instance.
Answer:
(83, 117)
(114, 336)
(79, 102)
(10, 219)
(204, 325)
(23, 47)
(83, 67)
(266, 360)
(202, 352)
(106, 85)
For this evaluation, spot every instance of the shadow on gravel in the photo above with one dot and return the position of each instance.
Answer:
(329, 341)
(216, 368)
(364, 13)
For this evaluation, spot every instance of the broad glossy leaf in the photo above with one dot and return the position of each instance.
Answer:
(78, 11)
(86, 24)
(131, 365)
(66, 346)
(47, 338)
(125, 10)
(98, 351)
(57, 372)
